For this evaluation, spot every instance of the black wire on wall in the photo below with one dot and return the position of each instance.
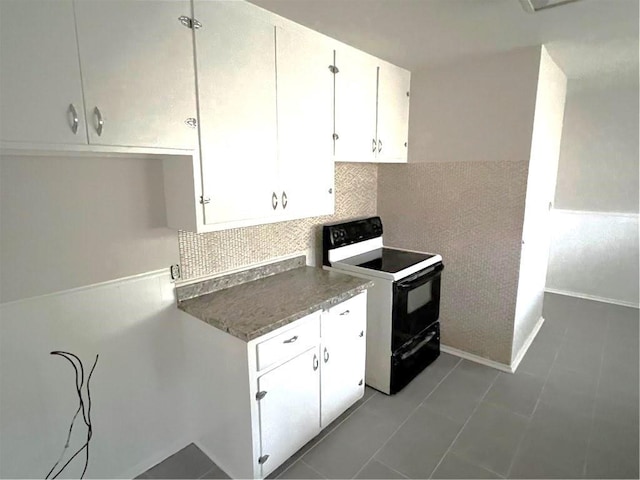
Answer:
(86, 413)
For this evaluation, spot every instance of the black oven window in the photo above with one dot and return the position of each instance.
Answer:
(419, 297)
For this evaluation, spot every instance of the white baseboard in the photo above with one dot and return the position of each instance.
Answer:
(476, 358)
(592, 297)
(516, 361)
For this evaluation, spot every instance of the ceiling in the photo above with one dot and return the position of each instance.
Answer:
(587, 38)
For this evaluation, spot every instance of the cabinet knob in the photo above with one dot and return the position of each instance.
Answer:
(316, 364)
(331, 190)
(326, 355)
(406, 144)
(373, 145)
(274, 200)
(379, 146)
(191, 122)
(361, 333)
(346, 312)
(292, 339)
(336, 136)
(360, 383)
(284, 200)
(263, 459)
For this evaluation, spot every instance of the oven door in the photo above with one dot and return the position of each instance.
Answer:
(416, 304)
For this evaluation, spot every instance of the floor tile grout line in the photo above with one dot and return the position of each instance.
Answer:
(593, 407)
(462, 428)
(310, 466)
(535, 408)
(327, 434)
(408, 417)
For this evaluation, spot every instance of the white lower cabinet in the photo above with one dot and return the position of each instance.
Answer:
(262, 400)
(290, 408)
(343, 357)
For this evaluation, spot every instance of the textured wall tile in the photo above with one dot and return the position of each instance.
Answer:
(203, 254)
(472, 214)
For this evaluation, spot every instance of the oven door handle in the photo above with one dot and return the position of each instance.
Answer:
(421, 277)
(421, 344)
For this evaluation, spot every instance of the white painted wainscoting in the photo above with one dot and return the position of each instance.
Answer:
(594, 255)
(138, 390)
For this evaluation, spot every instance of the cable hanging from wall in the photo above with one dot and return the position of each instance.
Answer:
(83, 408)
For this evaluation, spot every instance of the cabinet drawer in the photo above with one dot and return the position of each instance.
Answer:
(289, 343)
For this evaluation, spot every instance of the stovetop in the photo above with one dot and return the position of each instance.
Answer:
(389, 259)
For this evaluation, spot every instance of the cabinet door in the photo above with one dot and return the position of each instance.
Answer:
(393, 113)
(237, 105)
(290, 409)
(343, 357)
(40, 73)
(305, 123)
(355, 106)
(137, 69)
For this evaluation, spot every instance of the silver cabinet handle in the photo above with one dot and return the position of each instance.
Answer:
(379, 146)
(292, 339)
(361, 333)
(284, 199)
(346, 312)
(373, 145)
(360, 383)
(99, 119)
(315, 362)
(74, 118)
(274, 200)
(326, 355)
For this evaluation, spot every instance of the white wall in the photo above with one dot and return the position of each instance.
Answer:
(594, 251)
(68, 221)
(72, 221)
(479, 109)
(541, 184)
(595, 255)
(138, 390)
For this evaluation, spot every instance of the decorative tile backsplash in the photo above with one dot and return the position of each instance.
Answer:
(203, 254)
(472, 214)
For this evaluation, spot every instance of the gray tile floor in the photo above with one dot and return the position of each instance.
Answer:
(570, 411)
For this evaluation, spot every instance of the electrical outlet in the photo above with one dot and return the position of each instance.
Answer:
(175, 272)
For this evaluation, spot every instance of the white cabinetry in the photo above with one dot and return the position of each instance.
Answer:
(137, 87)
(343, 357)
(290, 408)
(392, 132)
(137, 73)
(266, 151)
(305, 123)
(371, 109)
(237, 106)
(275, 393)
(40, 84)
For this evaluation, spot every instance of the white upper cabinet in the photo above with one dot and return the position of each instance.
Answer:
(371, 108)
(355, 106)
(305, 123)
(137, 73)
(393, 113)
(40, 89)
(237, 105)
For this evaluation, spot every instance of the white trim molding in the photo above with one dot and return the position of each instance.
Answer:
(595, 298)
(563, 211)
(525, 347)
(476, 358)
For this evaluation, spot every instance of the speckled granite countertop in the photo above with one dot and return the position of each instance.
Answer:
(252, 309)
